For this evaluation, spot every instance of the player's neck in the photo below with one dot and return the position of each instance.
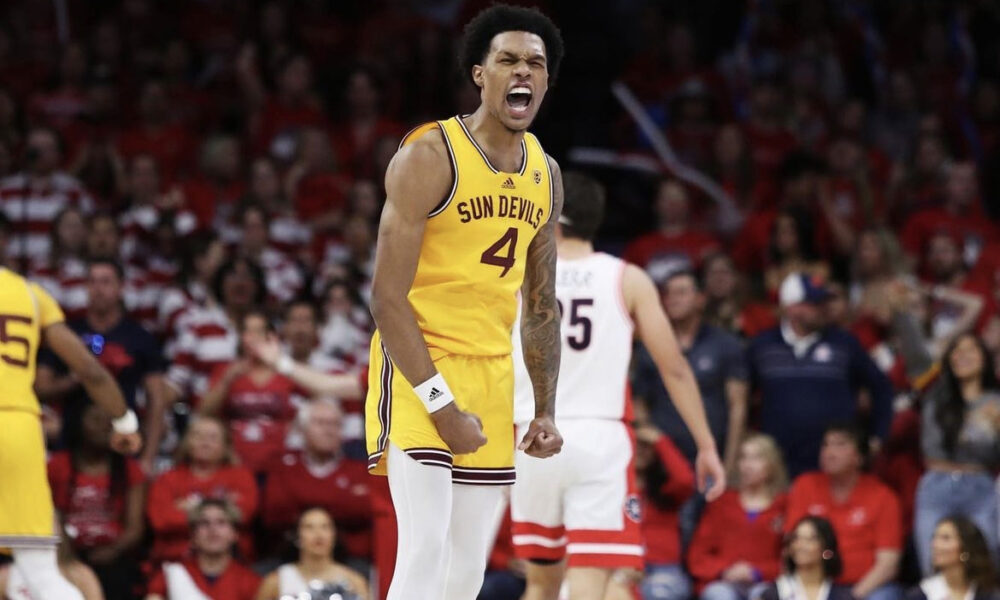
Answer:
(501, 145)
(572, 248)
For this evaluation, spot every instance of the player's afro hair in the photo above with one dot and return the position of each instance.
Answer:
(481, 30)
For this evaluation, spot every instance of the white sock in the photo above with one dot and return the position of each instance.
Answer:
(422, 497)
(39, 569)
(473, 530)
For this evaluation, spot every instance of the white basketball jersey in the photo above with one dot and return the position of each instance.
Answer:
(596, 343)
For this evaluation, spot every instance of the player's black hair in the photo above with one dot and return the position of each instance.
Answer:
(832, 563)
(109, 262)
(583, 207)
(499, 18)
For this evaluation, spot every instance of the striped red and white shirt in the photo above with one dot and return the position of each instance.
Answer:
(206, 340)
(138, 226)
(282, 276)
(32, 208)
(175, 305)
(288, 234)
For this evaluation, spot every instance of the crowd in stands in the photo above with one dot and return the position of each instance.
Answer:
(191, 179)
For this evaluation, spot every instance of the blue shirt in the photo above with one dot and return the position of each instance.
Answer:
(801, 396)
(716, 357)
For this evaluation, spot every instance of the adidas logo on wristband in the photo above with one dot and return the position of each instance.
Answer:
(434, 393)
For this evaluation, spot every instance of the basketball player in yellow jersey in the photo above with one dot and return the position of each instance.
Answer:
(28, 318)
(469, 219)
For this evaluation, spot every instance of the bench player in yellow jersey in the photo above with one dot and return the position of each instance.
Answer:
(29, 317)
(471, 207)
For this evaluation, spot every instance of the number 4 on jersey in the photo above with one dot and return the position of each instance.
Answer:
(492, 256)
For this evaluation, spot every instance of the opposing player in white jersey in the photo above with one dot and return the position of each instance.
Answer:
(577, 514)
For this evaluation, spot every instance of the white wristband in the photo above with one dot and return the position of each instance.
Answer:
(434, 393)
(284, 364)
(126, 424)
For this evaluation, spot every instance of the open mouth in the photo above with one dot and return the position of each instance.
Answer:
(519, 99)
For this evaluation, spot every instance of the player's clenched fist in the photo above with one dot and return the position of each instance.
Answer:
(462, 431)
(542, 439)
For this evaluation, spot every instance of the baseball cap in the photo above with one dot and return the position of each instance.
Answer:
(800, 287)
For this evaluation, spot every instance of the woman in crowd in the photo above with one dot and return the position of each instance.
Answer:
(252, 397)
(206, 468)
(100, 495)
(812, 563)
(961, 444)
(201, 256)
(793, 250)
(726, 299)
(963, 564)
(64, 275)
(315, 571)
(665, 481)
(738, 542)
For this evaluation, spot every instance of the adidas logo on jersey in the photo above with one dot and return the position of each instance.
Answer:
(434, 395)
(508, 185)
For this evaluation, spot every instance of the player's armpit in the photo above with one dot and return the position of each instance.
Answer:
(417, 180)
(540, 337)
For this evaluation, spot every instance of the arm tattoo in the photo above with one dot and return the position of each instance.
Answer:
(540, 336)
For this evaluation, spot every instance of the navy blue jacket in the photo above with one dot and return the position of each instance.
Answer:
(800, 397)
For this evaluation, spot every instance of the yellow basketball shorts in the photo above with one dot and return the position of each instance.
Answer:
(483, 386)
(26, 513)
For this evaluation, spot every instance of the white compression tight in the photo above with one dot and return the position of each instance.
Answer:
(445, 531)
(39, 569)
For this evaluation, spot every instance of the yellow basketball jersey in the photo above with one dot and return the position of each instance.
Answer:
(25, 309)
(472, 260)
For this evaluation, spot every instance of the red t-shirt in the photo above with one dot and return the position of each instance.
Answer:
(345, 492)
(868, 521)
(235, 583)
(727, 534)
(280, 119)
(84, 500)
(171, 529)
(258, 415)
(320, 193)
(655, 247)
(661, 526)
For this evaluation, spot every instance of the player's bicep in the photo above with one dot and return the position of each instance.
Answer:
(418, 179)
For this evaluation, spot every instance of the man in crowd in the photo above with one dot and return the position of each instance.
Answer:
(808, 374)
(31, 199)
(864, 512)
(321, 475)
(212, 571)
(122, 346)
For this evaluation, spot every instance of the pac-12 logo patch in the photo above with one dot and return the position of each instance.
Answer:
(633, 509)
(537, 176)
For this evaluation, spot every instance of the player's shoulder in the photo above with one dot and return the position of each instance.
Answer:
(425, 142)
(423, 166)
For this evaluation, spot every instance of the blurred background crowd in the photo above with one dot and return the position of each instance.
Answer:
(188, 177)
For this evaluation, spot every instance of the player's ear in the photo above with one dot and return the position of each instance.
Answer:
(477, 75)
